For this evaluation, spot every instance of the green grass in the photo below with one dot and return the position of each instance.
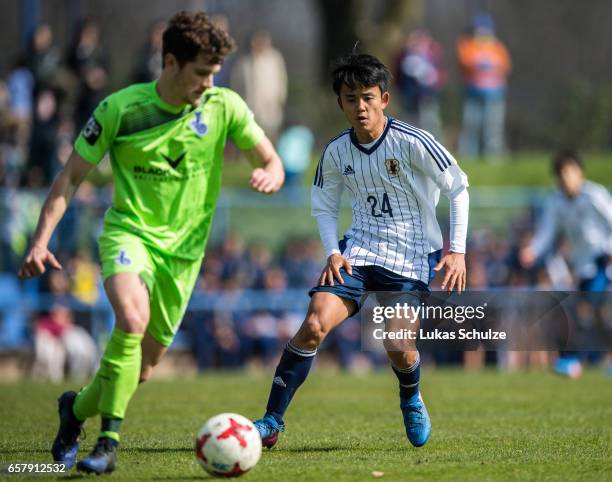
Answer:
(486, 426)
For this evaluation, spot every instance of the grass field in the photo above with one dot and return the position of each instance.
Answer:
(486, 426)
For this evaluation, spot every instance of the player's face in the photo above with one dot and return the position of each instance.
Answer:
(364, 109)
(571, 179)
(193, 78)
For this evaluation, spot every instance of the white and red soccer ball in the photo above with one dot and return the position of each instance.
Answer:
(228, 445)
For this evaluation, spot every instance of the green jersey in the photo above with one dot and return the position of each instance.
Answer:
(167, 162)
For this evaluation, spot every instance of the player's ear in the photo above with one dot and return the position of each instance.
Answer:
(170, 62)
(339, 100)
(385, 99)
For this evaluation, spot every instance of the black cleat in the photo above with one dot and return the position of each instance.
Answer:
(66, 444)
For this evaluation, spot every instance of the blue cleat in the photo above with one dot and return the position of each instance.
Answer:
(268, 429)
(66, 444)
(416, 420)
(568, 366)
(102, 459)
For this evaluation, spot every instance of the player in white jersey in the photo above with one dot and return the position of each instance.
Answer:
(581, 211)
(394, 173)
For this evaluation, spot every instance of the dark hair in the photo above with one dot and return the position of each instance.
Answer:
(360, 70)
(192, 33)
(565, 157)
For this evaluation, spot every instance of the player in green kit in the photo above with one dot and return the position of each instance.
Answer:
(165, 140)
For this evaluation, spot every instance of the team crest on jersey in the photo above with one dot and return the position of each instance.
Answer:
(393, 167)
(198, 126)
(123, 259)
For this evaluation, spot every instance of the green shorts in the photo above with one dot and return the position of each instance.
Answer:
(170, 280)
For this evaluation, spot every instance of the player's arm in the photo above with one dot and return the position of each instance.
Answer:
(90, 147)
(268, 174)
(547, 227)
(602, 202)
(454, 261)
(326, 194)
(440, 166)
(62, 190)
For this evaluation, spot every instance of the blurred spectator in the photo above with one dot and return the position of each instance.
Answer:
(57, 342)
(43, 142)
(43, 57)
(20, 84)
(150, 58)
(261, 78)
(302, 260)
(295, 149)
(259, 260)
(260, 335)
(485, 65)
(222, 78)
(87, 61)
(94, 82)
(85, 50)
(420, 77)
(235, 264)
(10, 159)
(85, 278)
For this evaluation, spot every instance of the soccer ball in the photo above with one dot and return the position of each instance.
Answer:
(228, 445)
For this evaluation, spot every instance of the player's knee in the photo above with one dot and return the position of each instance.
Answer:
(314, 330)
(132, 321)
(403, 359)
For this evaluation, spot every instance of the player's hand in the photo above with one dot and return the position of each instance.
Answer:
(332, 270)
(527, 257)
(35, 261)
(264, 181)
(455, 272)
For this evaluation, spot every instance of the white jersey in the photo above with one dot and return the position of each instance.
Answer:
(586, 221)
(394, 186)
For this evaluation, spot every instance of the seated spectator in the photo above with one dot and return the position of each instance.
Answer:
(59, 342)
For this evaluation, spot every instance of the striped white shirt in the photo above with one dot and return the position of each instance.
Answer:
(394, 186)
(586, 221)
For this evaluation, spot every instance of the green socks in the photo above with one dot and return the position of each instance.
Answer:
(113, 386)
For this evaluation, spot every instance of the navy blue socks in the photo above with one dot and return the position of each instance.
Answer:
(290, 373)
(409, 378)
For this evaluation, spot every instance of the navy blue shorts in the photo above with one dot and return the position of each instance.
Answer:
(375, 278)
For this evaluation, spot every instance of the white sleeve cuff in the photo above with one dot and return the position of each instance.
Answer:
(328, 231)
(459, 213)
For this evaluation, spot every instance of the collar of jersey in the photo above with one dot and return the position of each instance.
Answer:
(174, 109)
(369, 151)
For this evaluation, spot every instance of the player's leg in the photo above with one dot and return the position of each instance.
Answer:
(119, 372)
(406, 364)
(402, 351)
(75, 408)
(326, 311)
(152, 353)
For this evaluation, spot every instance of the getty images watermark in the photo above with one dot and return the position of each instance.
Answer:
(490, 320)
(414, 315)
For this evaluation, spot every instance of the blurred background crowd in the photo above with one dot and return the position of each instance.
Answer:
(453, 64)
